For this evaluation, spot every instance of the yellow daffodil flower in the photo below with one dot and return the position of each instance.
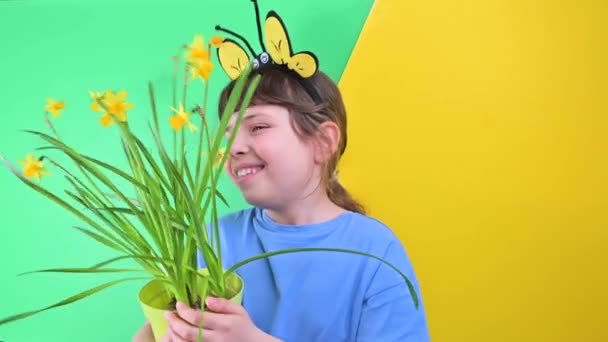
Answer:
(115, 106)
(218, 158)
(33, 167)
(180, 119)
(201, 69)
(95, 105)
(54, 107)
(198, 57)
(197, 50)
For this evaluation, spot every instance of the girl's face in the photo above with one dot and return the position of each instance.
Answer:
(268, 161)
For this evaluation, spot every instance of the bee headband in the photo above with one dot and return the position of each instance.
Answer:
(276, 53)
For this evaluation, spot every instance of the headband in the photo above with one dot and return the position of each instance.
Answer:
(301, 66)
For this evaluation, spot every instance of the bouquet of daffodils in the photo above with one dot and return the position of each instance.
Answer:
(169, 212)
(161, 221)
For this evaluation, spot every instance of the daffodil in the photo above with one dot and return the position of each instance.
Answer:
(180, 119)
(95, 96)
(218, 158)
(202, 69)
(54, 107)
(198, 57)
(114, 104)
(216, 41)
(197, 50)
(33, 167)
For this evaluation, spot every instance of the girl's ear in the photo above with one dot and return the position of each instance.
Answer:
(327, 141)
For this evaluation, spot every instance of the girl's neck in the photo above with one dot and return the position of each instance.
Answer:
(314, 209)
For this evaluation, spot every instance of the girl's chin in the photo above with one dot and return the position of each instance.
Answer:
(258, 200)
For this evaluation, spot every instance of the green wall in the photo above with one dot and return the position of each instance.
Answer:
(65, 49)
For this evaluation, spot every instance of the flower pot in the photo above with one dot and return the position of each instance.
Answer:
(156, 301)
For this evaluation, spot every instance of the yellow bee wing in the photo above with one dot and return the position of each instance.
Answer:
(232, 57)
(278, 47)
(303, 63)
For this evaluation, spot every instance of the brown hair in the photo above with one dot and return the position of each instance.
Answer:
(279, 88)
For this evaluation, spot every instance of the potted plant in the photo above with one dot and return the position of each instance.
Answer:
(168, 212)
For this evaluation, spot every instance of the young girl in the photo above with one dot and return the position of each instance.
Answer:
(284, 160)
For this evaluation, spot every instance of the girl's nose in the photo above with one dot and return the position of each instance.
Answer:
(239, 145)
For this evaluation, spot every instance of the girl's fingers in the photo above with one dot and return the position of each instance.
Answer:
(192, 316)
(180, 329)
(215, 321)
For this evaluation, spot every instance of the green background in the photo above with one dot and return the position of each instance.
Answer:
(64, 49)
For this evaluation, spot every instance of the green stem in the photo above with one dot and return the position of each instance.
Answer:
(174, 146)
(341, 250)
(175, 68)
(204, 131)
(202, 114)
(248, 95)
(48, 122)
(185, 90)
(91, 182)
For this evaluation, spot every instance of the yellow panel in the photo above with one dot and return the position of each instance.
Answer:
(478, 132)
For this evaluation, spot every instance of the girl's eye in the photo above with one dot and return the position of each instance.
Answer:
(257, 128)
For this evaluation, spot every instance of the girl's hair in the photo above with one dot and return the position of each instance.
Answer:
(277, 87)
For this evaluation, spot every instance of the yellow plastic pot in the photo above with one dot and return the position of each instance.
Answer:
(156, 301)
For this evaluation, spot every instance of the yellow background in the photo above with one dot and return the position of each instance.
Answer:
(478, 132)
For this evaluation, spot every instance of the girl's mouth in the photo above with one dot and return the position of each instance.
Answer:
(247, 172)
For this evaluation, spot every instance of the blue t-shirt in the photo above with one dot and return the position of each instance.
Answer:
(324, 296)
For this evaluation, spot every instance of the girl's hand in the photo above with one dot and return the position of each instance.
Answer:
(224, 321)
(144, 334)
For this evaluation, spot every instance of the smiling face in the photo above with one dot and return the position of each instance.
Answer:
(289, 145)
(271, 164)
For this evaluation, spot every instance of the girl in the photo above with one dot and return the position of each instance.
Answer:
(283, 159)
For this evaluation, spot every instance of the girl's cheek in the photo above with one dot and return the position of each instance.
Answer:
(227, 167)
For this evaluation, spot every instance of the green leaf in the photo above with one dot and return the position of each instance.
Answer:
(82, 270)
(246, 101)
(341, 250)
(121, 226)
(68, 300)
(133, 201)
(204, 287)
(118, 226)
(116, 171)
(189, 177)
(121, 210)
(153, 106)
(82, 162)
(164, 261)
(214, 267)
(52, 196)
(152, 163)
(103, 240)
(222, 198)
(233, 100)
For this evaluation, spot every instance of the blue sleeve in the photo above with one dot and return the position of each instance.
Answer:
(389, 314)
